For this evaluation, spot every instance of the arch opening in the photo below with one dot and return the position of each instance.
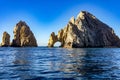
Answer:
(57, 44)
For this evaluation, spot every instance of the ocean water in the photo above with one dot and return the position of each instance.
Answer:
(44, 63)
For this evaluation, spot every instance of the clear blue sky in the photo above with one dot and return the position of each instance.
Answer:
(46, 16)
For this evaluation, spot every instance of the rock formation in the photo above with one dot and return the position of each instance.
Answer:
(23, 36)
(53, 39)
(85, 31)
(5, 40)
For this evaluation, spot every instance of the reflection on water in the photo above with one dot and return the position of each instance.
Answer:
(58, 63)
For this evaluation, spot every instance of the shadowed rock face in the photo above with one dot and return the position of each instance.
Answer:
(23, 36)
(86, 31)
(5, 40)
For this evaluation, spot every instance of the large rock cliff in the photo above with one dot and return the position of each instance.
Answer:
(85, 31)
(23, 36)
(5, 40)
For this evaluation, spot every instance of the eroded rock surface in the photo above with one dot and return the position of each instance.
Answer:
(5, 40)
(85, 31)
(23, 36)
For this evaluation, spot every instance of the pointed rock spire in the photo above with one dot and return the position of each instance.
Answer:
(5, 40)
(72, 20)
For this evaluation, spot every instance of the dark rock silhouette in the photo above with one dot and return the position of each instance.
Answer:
(85, 31)
(23, 36)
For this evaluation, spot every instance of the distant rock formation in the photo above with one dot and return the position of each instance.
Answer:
(23, 36)
(5, 40)
(85, 31)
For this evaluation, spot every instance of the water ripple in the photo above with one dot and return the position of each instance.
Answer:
(44, 63)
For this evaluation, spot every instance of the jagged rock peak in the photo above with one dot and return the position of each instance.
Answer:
(21, 23)
(84, 14)
(72, 20)
(23, 36)
(86, 31)
(5, 40)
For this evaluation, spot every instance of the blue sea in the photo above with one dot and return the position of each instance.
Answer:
(42, 63)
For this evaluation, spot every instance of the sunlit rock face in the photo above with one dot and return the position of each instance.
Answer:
(52, 40)
(5, 40)
(86, 31)
(23, 36)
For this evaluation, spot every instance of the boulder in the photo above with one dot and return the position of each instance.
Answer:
(5, 40)
(86, 31)
(23, 36)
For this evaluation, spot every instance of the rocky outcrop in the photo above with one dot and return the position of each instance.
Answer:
(5, 40)
(23, 36)
(52, 40)
(85, 31)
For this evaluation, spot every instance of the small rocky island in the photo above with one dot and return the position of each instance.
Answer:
(5, 40)
(23, 37)
(85, 31)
